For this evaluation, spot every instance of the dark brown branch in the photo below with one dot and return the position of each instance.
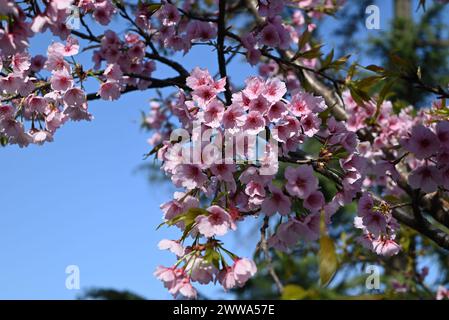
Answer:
(155, 84)
(221, 33)
(155, 56)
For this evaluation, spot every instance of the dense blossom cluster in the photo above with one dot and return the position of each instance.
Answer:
(46, 91)
(233, 153)
(239, 190)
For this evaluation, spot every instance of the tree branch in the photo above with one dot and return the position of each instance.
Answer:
(221, 33)
(264, 246)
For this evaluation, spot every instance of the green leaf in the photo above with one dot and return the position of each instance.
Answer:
(368, 82)
(188, 217)
(293, 292)
(327, 60)
(312, 53)
(3, 141)
(339, 62)
(213, 257)
(384, 93)
(152, 8)
(327, 260)
(305, 37)
(374, 68)
(358, 94)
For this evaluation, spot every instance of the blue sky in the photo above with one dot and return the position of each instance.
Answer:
(81, 201)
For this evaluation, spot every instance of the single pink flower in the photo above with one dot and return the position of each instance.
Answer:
(61, 80)
(173, 246)
(226, 278)
(426, 178)
(254, 123)
(74, 97)
(269, 36)
(276, 202)
(275, 89)
(254, 87)
(442, 130)
(277, 111)
(422, 142)
(243, 269)
(213, 114)
(386, 247)
(109, 90)
(314, 201)
(216, 223)
(224, 171)
(233, 118)
(300, 181)
(189, 176)
(201, 270)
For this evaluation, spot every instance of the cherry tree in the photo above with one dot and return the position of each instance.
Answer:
(239, 151)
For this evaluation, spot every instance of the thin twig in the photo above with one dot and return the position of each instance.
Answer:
(264, 246)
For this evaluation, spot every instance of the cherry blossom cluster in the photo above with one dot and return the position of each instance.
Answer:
(277, 32)
(40, 93)
(47, 105)
(420, 142)
(237, 190)
(171, 28)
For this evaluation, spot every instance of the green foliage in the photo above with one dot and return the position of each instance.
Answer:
(421, 46)
(109, 294)
(327, 260)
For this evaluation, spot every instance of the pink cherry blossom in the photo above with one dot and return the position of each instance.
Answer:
(200, 270)
(442, 131)
(277, 111)
(259, 104)
(224, 171)
(185, 288)
(189, 176)
(243, 269)
(74, 97)
(269, 36)
(300, 181)
(277, 202)
(169, 14)
(226, 277)
(310, 124)
(233, 118)
(442, 293)
(109, 90)
(213, 114)
(274, 90)
(173, 246)
(314, 201)
(216, 223)
(103, 11)
(166, 275)
(254, 87)
(426, 178)
(254, 123)
(61, 80)
(386, 247)
(422, 142)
